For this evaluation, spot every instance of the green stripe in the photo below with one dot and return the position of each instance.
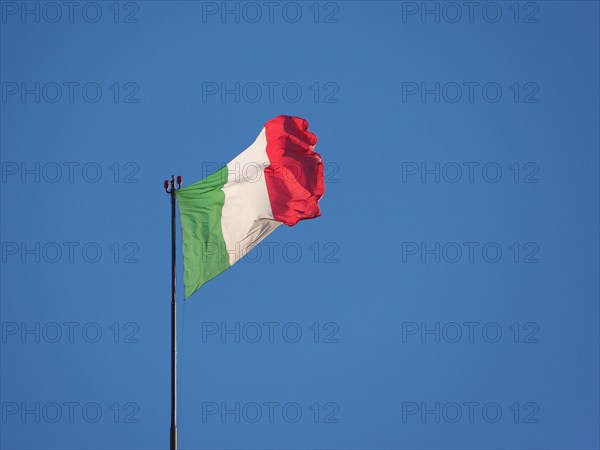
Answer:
(204, 251)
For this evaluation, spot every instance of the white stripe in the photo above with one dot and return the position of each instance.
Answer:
(247, 218)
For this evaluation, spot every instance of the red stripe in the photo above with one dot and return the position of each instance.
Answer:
(295, 180)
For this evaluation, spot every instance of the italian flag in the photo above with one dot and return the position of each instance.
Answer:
(277, 180)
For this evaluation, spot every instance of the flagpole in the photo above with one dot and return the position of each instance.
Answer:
(173, 434)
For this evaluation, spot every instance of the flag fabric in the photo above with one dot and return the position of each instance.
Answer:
(277, 180)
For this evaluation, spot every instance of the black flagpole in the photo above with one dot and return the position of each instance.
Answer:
(171, 191)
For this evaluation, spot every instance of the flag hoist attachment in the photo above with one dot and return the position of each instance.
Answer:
(170, 189)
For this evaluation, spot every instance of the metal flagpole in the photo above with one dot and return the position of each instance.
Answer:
(171, 191)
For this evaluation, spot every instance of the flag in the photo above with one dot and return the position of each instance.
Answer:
(277, 180)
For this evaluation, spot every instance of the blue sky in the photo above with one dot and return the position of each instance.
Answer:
(447, 297)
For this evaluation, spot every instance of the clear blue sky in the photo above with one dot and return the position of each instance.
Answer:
(447, 298)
